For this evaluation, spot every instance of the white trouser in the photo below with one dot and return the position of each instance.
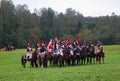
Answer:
(29, 55)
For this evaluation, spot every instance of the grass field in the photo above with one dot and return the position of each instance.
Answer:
(11, 69)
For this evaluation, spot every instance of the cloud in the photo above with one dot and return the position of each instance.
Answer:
(86, 7)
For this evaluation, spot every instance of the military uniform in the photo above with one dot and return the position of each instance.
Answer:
(29, 51)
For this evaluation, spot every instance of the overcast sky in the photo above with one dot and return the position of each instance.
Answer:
(85, 7)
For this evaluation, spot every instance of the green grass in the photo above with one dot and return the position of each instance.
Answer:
(11, 69)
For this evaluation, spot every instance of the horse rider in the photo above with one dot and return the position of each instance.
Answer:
(43, 48)
(42, 54)
(56, 45)
(91, 45)
(38, 46)
(62, 43)
(29, 51)
(50, 46)
(99, 47)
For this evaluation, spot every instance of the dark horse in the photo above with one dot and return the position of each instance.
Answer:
(77, 55)
(33, 60)
(49, 57)
(91, 55)
(83, 55)
(65, 57)
(100, 54)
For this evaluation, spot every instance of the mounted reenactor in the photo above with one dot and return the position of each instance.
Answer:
(38, 47)
(29, 51)
(91, 52)
(100, 52)
(50, 47)
(62, 43)
(41, 56)
(99, 47)
(91, 46)
(56, 45)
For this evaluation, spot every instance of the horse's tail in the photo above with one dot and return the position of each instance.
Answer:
(23, 61)
(22, 58)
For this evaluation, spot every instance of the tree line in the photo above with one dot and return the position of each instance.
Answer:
(18, 25)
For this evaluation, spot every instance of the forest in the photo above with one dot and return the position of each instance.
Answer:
(18, 25)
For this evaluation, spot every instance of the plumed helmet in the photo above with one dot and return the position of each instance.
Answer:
(38, 43)
(28, 43)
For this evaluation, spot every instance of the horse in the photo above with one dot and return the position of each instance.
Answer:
(60, 57)
(32, 60)
(42, 59)
(100, 54)
(55, 58)
(77, 55)
(65, 57)
(90, 54)
(83, 55)
(35, 59)
(49, 57)
(71, 57)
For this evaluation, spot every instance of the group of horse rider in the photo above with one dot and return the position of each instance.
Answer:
(56, 46)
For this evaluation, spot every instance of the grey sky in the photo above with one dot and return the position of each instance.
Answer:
(85, 7)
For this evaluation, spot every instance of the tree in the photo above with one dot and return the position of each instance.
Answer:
(8, 15)
(85, 34)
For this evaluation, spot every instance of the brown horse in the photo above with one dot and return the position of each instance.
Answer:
(49, 57)
(83, 55)
(100, 54)
(33, 60)
(91, 55)
(42, 59)
(65, 57)
(54, 59)
(77, 55)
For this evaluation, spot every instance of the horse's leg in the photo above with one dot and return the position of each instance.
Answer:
(90, 60)
(24, 64)
(31, 64)
(56, 61)
(61, 61)
(36, 63)
(99, 59)
(39, 61)
(72, 60)
(51, 62)
(23, 61)
(84, 60)
(77, 59)
(87, 59)
(94, 60)
(103, 59)
(45, 61)
(42, 62)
